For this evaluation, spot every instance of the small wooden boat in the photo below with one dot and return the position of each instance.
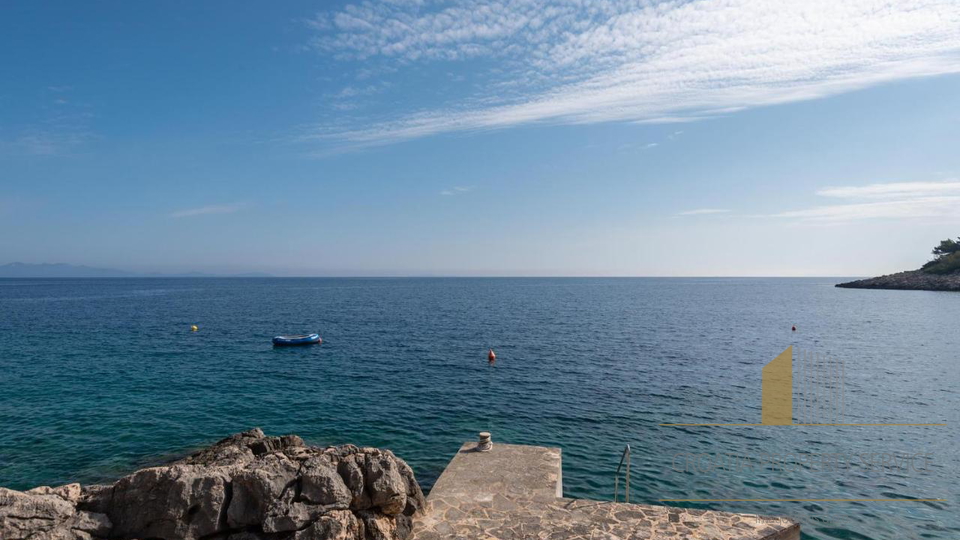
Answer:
(305, 339)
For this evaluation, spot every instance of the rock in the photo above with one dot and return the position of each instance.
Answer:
(382, 527)
(351, 469)
(69, 492)
(245, 487)
(95, 498)
(416, 502)
(912, 280)
(388, 490)
(274, 444)
(321, 484)
(179, 501)
(245, 535)
(229, 451)
(284, 516)
(45, 514)
(337, 525)
(258, 485)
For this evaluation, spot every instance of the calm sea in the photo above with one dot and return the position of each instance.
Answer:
(99, 377)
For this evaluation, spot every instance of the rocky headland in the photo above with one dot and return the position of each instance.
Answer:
(915, 280)
(246, 487)
(940, 274)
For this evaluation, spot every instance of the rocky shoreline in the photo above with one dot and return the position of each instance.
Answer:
(246, 487)
(913, 280)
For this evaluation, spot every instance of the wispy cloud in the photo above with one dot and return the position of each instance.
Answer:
(575, 62)
(456, 190)
(46, 140)
(896, 189)
(49, 131)
(211, 209)
(899, 200)
(704, 211)
(354, 91)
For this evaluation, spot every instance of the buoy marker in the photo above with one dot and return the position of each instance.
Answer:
(491, 356)
(194, 328)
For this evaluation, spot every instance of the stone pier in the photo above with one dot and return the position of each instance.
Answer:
(516, 492)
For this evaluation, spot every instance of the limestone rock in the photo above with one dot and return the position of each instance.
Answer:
(383, 527)
(69, 492)
(351, 469)
(48, 514)
(388, 491)
(337, 525)
(257, 486)
(321, 484)
(229, 451)
(416, 502)
(917, 280)
(283, 516)
(178, 501)
(245, 487)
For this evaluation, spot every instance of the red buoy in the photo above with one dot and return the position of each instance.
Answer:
(492, 356)
(794, 328)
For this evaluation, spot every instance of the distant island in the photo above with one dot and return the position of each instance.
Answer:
(940, 274)
(61, 270)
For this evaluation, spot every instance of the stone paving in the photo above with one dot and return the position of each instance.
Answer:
(514, 492)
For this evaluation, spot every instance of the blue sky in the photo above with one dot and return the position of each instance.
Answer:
(461, 138)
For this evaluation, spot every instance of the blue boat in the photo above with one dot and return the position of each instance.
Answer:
(306, 339)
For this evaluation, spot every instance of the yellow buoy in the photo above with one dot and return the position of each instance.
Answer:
(193, 328)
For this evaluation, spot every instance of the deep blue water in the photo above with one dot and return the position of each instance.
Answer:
(99, 377)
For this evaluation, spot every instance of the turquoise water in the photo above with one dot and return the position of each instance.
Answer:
(99, 377)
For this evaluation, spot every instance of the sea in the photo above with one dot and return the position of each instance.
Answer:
(99, 377)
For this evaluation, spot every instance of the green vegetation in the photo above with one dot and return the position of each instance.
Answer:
(947, 259)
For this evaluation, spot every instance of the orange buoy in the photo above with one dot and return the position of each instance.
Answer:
(492, 356)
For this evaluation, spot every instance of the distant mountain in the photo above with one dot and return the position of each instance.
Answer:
(61, 270)
(58, 270)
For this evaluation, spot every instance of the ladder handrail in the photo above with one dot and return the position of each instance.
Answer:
(616, 479)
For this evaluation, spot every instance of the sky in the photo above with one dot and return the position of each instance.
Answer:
(420, 137)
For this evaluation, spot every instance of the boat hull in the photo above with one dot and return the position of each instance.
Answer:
(294, 341)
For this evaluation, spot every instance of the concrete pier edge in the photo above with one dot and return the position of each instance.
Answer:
(512, 491)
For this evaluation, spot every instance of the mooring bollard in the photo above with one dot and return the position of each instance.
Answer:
(484, 444)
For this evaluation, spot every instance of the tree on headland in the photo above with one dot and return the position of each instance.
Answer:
(947, 247)
(947, 258)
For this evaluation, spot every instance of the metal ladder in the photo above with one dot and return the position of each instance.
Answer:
(625, 456)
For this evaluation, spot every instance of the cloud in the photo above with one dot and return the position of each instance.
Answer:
(44, 141)
(49, 131)
(587, 62)
(354, 91)
(900, 200)
(211, 209)
(908, 208)
(704, 211)
(456, 190)
(897, 189)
